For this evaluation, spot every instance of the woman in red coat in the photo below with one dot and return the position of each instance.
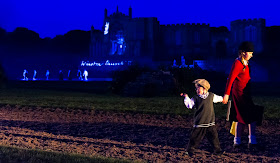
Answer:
(243, 110)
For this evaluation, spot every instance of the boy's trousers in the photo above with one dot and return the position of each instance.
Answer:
(198, 134)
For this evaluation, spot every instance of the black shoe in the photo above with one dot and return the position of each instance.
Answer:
(219, 153)
(236, 146)
(189, 153)
(252, 147)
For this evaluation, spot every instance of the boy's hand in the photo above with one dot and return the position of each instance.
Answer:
(184, 94)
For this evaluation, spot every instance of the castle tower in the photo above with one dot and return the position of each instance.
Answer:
(105, 13)
(130, 12)
(252, 30)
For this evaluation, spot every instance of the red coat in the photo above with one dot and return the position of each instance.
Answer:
(243, 106)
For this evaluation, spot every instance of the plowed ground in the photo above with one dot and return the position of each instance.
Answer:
(141, 137)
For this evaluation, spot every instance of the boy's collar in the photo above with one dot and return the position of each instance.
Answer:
(204, 96)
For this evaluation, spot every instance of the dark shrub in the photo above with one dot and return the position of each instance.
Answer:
(121, 78)
(185, 76)
(3, 77)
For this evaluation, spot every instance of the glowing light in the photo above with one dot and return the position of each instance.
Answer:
(85, 74)
(79, 74)
(106, 63)
(106, 30)
(91, 63)
(25, 72)
(34, 76)
(47, 75)
(120, 40)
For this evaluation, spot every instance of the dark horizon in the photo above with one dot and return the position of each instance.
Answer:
(65, 17)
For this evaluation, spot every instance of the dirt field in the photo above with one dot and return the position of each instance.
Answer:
(148, 138)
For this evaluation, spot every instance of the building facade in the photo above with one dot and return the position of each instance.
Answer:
(126, 37)
(252, 30)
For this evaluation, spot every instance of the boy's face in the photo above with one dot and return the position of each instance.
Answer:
(200, 90)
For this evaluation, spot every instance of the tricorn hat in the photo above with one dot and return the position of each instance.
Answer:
(246, 46)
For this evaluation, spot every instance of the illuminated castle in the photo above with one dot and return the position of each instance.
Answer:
(127, 37)
(250, 30)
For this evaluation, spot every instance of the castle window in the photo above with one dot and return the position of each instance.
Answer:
(167, 37)
(178, 38)
(196, 50)
(251, 33)
(196, 37)
(118, 44)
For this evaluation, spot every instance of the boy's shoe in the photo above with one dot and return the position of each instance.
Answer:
(219, 153)
(189, 153)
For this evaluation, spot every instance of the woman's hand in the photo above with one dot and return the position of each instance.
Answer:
(225, 100)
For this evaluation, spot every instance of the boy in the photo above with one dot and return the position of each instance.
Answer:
(204, 117)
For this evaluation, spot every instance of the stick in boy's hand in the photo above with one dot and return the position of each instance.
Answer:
(184, 94)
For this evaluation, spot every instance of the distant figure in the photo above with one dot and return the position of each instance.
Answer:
(79, 74)
(183, 62)
(34, 75)
(47, 75)
(69, 75)
(174, 63)
(25, 73)
(85, 74)
(60, 75)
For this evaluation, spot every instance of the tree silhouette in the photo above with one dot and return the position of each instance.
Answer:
(3, 77)
(24, 36)
(77, 41)
(3, 35)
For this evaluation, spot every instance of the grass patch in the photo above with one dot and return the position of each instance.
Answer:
(84, 100)
(15, 154)
(111, 102)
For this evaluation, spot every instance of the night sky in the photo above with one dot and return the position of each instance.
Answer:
(56, 17)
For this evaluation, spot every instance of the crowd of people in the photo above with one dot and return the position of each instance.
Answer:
(80, 75)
